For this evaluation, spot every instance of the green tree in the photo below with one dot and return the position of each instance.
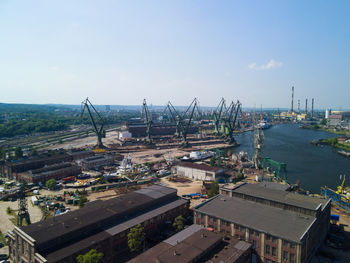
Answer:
(214, 189)
(239, 176)
(82, 200)
(136, 237)
(323, 122)
(93, 256)
(51, 183)
(178, 223)
(18, 152)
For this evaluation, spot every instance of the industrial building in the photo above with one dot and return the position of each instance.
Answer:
(55, 171)
(282, 226)
(197, 171)
(11, 168)
(96, 161)
(78, 155)
(138, 129)
(100, 225)
(196, 244)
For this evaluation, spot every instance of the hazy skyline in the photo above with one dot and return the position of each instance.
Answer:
(119, 52)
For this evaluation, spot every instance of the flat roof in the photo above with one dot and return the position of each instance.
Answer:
(191, 244)
(200, 166)
(108, 232)
(96, 213)
(285, 197)
(275, 221)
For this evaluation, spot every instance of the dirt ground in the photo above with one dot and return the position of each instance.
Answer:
(183, 188)
(111, 138)
(5, 223)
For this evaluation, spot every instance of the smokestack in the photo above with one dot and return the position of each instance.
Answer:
(312, 107)
(292, 99)
(299, 106)
(306, 107)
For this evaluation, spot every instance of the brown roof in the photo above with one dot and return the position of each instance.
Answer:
(200, 166)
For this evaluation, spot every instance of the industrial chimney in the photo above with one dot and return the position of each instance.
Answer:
(306, 107)
(292, 99)
(312, 108)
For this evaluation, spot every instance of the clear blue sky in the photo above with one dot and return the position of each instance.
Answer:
(119, 52)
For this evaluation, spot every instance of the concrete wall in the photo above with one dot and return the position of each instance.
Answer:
(196, 174)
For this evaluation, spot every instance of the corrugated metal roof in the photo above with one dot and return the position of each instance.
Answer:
(177, 238)
(198, 166)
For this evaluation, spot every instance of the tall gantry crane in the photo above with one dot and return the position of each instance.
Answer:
(229, 121)
(148, 120)
(217, 114)
(183, 122)
(98, 126)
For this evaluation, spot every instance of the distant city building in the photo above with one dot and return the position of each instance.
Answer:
(334, 120)
(101, 225)
(327, 113)
(199, 171)
(282, 226)
(196, 244)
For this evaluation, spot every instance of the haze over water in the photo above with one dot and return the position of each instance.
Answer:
(312, 165)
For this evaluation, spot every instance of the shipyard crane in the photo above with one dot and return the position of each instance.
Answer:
(98, 128)
(229, 121)
(183, 122)
(217, 114)
(148, 120)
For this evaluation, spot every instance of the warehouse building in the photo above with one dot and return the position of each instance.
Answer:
(78, 155)
(196, 244)
(96, 161)
(282, 226)
(197, 171)
(55, 171)
(102, 225)
(11, 168)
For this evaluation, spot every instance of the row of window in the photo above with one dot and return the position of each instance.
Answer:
(272, 251)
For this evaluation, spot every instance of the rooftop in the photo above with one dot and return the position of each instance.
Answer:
(95, 215)
(191, 244)
(277, 195)
(267, 219)
(200, 166)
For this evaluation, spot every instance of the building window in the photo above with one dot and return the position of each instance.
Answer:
(267, 250)
(285, 243)
(236, 227)
(285, 255)
(274, 251)
(255, 244)
(268, 237)
(291, 258)
(257, 233)
(292, 245)
(267, 261)
(242, 229)
(274, 239)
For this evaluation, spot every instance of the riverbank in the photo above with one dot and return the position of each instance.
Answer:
(333, 142)
(323, 128)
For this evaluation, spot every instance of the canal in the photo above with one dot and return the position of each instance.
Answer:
(314, 166)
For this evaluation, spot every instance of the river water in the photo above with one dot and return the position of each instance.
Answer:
(314, 166)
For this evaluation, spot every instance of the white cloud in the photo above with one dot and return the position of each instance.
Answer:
(271, 64)
(54, 68)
